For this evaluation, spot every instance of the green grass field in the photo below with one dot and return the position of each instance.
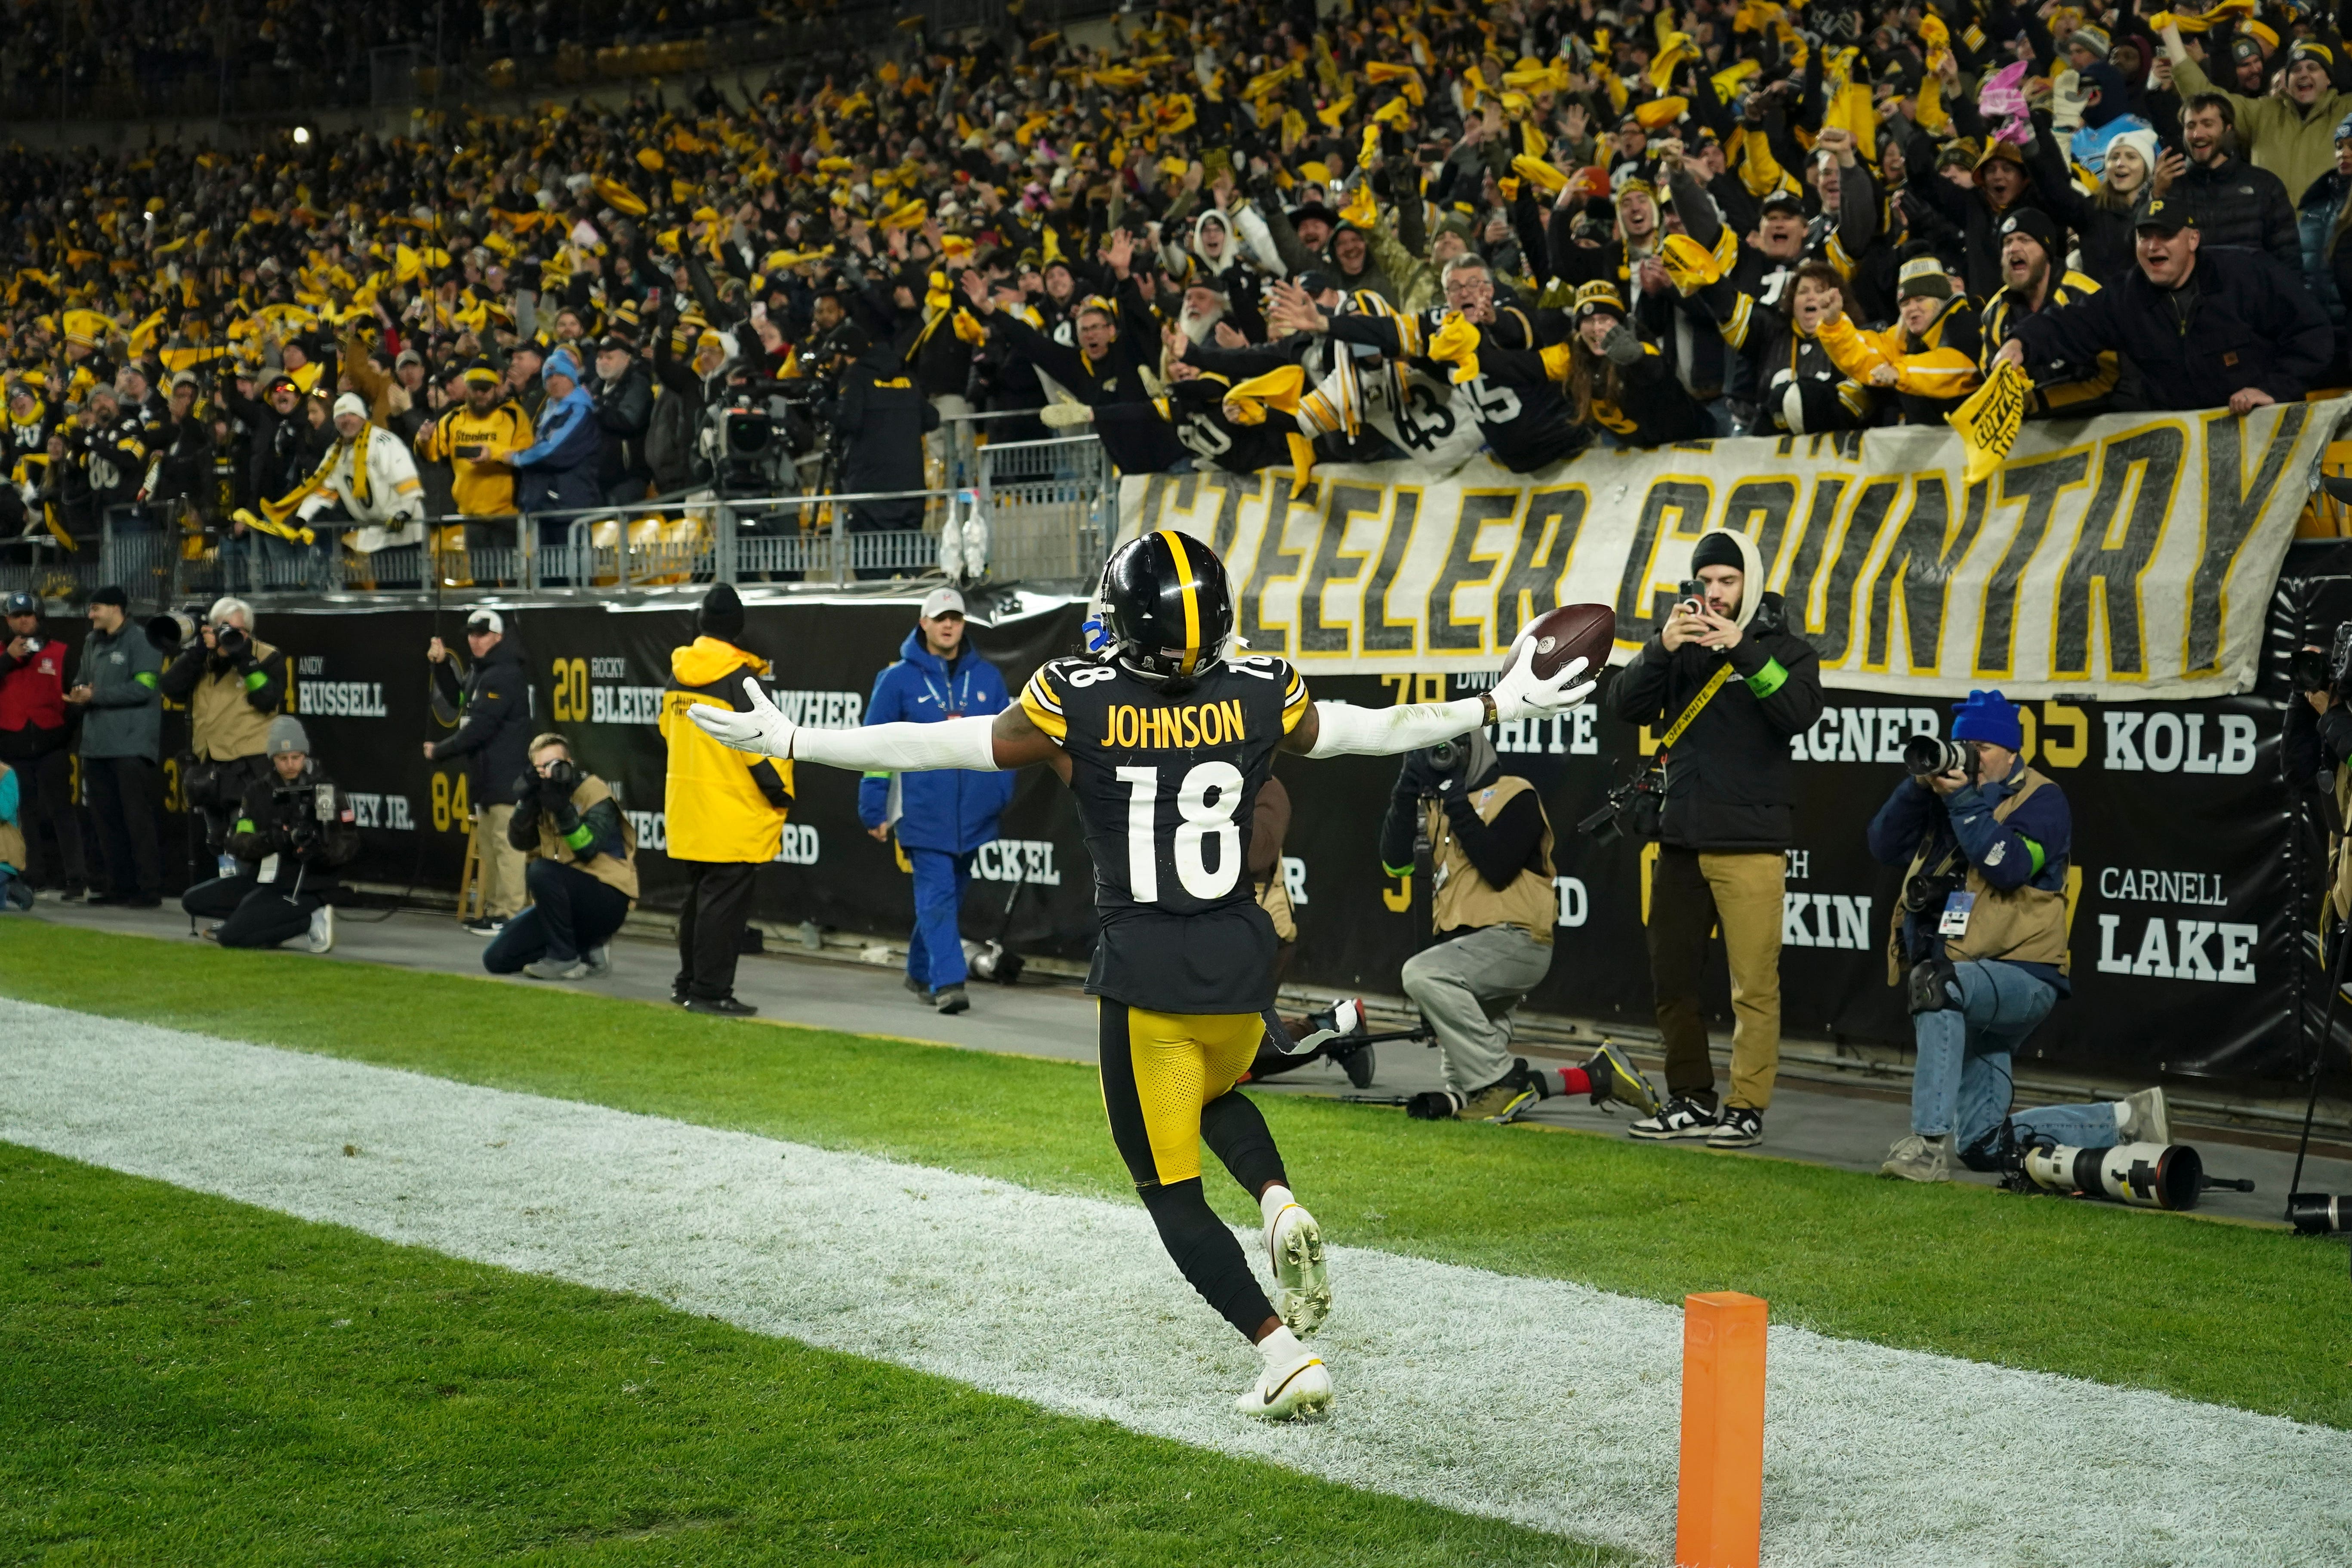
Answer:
(187, 1380)
(2222, 1313)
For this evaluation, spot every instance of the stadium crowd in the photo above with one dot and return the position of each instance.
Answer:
(1237, 236)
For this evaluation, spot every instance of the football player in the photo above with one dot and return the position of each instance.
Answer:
(1164, 737)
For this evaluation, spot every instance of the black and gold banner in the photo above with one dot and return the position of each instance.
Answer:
(2131, 552)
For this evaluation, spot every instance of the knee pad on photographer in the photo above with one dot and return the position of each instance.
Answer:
(1934, 986)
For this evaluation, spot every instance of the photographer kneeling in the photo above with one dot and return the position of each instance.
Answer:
(1492, 908)
(581, 874)
(291, 830)
(1980, 937)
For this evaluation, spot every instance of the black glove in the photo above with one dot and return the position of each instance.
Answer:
(1418, 776)
(526, 789)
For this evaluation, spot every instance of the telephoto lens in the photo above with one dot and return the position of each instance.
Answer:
(2320, 1214)
(1928, 754)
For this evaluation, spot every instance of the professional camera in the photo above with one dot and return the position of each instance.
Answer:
(1924, 756)
(1447, 756)
(1929, 890)
(2328, 669)
(743, 438)
(167, 632)
(309, 805)
(2319, 1214)
(1633, 809)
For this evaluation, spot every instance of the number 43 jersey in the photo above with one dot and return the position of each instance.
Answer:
(1165, 785)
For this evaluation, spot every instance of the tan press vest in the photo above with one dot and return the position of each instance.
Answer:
(1463, 900)
(1274, 897)
(222, 724)
(621, 874)
(2027, 924)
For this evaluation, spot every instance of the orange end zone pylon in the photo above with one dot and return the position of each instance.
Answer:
(1718, 1518)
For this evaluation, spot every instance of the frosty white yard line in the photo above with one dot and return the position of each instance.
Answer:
(1539, 1401)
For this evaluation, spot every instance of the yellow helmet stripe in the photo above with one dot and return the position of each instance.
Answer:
(1192, 601)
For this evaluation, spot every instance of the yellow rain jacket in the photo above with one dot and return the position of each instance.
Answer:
(721, 804)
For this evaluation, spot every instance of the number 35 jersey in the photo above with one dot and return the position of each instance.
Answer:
(1165, 787)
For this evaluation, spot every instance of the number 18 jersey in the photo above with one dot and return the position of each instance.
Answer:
(1165, 785)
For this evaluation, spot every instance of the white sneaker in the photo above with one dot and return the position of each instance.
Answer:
(1294, 1385)
(2145, 1120)
(599, 960)
(1302, 1285)
(1917, 1159)
(323, 928)
(1678, 1117)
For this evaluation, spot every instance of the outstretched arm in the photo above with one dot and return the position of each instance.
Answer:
(1007, 740)
(1344, 729)
(1012, 740)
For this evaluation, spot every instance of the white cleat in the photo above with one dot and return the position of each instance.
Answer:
(1302, 1285)
(1295, 1391)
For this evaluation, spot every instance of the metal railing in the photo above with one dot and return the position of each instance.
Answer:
(446, 70)
(1046, 503)
(1034, 511)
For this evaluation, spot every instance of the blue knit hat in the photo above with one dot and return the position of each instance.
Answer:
(561, 363)
(1989, 716)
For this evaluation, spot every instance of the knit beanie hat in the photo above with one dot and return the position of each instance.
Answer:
(2143, 141)
(1717, 548)
(721, 614)
(1989, 716)
(286, 734)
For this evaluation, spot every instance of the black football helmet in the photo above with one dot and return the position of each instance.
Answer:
(1166, 605)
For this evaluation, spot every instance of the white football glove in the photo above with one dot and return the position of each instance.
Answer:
(763, 731)
(1519, 695)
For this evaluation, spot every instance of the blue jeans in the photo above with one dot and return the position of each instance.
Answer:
(570, 914)
(935, 953)
(1961, 1084)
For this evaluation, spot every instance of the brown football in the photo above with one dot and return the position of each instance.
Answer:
(1570, 632)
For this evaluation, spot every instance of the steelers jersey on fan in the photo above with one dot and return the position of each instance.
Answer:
(1165, 785)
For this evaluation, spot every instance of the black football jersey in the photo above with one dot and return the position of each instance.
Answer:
(1165, 785)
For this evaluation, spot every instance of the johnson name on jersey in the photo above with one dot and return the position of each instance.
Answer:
(1165, 781)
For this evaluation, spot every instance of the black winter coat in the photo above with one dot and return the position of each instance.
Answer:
(277, 818)
(2239, 207)
(2240, 321)
(492, 705)
(885, 417)
(1729, 786)
(624, 412)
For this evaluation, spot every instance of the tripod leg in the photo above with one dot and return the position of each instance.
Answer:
(2318, 1060)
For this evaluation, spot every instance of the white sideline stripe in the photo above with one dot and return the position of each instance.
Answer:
(1539, 1401)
